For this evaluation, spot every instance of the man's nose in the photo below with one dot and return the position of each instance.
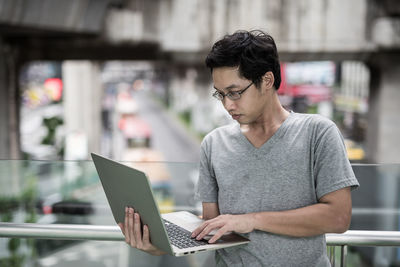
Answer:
(229, 104)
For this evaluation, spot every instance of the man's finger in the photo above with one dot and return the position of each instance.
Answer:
(209, 228)
(218, 235)
(126, 226)
(146, 235)
(205, 232)
(199, 229)
(137, 231)
(130, 229)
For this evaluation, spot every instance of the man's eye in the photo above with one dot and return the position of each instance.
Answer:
(234, 92)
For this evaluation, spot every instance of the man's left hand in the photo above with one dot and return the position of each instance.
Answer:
(242, 223)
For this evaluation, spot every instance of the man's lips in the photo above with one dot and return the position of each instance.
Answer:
(235, 116)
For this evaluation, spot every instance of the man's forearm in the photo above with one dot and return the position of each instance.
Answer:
(303, 222)
(332, 214)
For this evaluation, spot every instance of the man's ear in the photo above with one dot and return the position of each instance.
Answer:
(268, 79)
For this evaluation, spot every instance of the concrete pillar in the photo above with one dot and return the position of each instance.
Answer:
(9, 103)
(384, 121)
(82, 108)
(382, 142)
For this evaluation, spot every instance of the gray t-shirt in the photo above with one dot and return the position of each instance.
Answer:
(304, 160)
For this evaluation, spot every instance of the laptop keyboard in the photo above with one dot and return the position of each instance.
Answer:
(180, 237)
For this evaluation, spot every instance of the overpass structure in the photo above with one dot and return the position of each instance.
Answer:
(178, 34)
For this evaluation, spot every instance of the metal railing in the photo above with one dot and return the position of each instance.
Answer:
(359, 238)
(113, 233)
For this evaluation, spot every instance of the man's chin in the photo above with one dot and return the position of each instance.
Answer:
(243, 121)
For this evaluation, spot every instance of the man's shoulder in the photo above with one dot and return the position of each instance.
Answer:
(315, 121)
(221, 132)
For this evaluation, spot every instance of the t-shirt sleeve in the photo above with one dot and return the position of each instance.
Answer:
(332, 169)
(207, 187)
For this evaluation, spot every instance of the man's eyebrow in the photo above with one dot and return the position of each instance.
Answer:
(230, 87)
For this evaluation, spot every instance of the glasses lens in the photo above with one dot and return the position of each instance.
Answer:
(233, 95)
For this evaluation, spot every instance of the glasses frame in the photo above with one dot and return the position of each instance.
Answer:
(231, 95)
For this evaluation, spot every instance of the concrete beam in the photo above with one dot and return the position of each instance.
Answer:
(85, 48)
(92, 48)
(78, 16)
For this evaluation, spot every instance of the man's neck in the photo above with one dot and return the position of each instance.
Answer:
(269, 122)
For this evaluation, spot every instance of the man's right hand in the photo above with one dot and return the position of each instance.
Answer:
(133, 233)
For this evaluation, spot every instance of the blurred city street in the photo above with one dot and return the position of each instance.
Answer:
(180, 152)
(168, 134)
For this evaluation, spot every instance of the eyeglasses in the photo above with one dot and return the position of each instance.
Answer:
(235, 95)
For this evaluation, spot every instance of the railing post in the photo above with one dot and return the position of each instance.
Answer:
(343, 256)
(328, 252)
(332, 255)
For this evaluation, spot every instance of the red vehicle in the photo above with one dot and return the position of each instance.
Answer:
(136, 131)
(309, 80)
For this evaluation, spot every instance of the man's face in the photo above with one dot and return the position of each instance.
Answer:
(249, 107)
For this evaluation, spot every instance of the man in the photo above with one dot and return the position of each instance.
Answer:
(280, 178)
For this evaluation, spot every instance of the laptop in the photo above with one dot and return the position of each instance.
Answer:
(170, 232)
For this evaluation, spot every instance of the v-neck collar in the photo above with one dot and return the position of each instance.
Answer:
(271, 141)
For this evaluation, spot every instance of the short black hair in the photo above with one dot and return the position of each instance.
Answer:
(254, 52)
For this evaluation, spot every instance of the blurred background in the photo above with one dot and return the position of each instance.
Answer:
(126, 79)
